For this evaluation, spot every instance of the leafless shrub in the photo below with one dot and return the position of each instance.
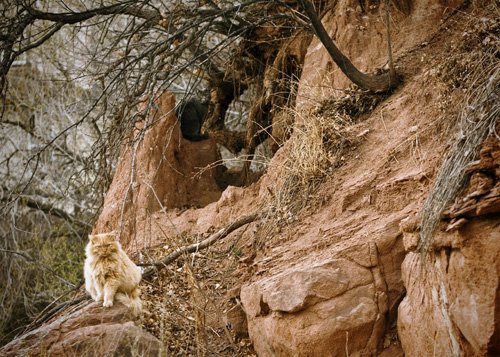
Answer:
(37, 265)
(46, 198)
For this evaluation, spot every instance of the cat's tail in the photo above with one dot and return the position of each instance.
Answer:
(132, 301)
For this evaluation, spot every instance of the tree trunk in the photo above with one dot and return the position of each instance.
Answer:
(375, 83)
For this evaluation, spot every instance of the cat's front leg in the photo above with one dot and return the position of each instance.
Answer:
(90, 283)
(90, 287)
(99, 297)
(109, 294)
(98, 292)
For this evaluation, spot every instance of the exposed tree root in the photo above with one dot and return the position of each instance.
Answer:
(376, 83)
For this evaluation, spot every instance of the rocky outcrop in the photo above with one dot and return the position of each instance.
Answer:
(336, 285)
(88, 331)
(482, 196)
(158, 172)
(453, 292)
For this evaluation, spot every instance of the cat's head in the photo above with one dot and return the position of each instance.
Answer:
(103, 244)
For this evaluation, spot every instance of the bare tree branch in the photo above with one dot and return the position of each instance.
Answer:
(124, 8)
(37, 204)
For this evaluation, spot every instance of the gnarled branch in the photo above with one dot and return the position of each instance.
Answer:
(375, 83)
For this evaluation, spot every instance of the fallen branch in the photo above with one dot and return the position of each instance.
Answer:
(201, 245)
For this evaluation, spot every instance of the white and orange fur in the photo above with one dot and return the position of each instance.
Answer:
(110, 274)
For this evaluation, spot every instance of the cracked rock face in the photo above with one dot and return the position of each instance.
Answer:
(89, 331)
(452, 302)
(297, 289)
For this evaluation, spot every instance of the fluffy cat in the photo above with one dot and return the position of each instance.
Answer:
(109, 273)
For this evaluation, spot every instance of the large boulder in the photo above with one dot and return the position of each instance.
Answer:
(311, 311)
(329, 307)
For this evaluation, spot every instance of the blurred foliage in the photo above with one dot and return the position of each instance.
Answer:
(51, 264)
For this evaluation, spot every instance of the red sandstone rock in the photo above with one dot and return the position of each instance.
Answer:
(158, 172)
(328, 307)
(88, 331)
(310, 311)
(454, 292)
(451, 306)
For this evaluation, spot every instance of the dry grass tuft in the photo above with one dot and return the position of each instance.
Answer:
(316, 147)
(320, 140)
(320, 143)
(478, 71)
